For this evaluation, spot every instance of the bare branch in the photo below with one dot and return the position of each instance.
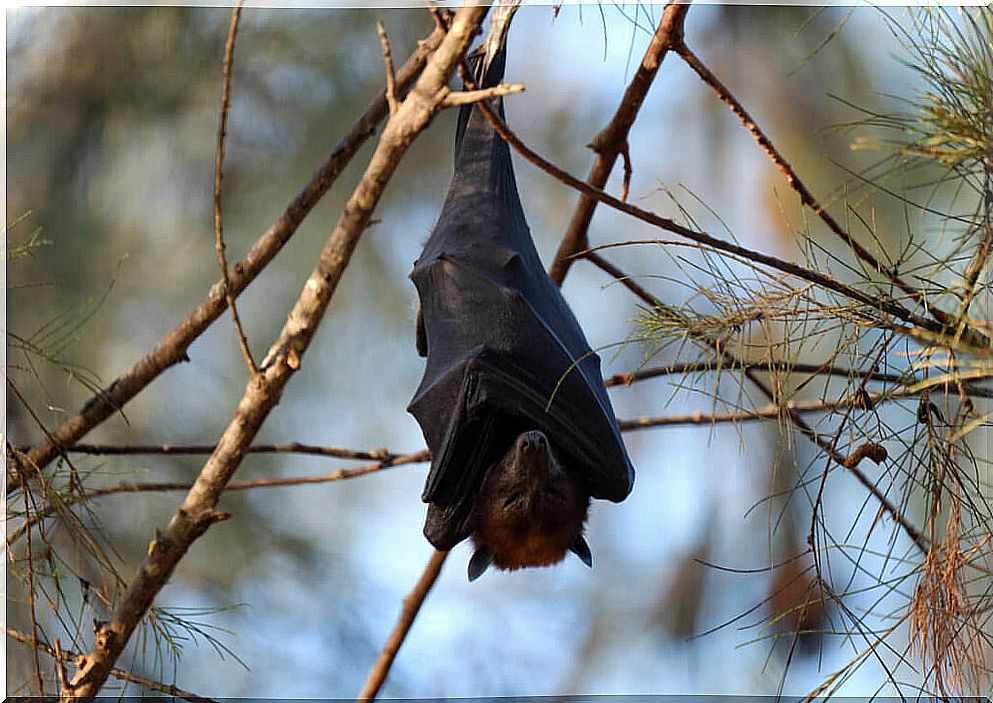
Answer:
(391, 78)
(192, 449)
(411, 607)
(612, 139)
(773, 410)
(629, 377)
(61, 657)
(218, 176)
(464, 97)
(163, 486)
(197, 511)
(172, 348)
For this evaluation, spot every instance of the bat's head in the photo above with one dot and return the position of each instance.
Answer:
(530, 510)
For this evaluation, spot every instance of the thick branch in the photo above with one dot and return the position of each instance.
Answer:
(172, 348)
(198, 510)
(612, 139)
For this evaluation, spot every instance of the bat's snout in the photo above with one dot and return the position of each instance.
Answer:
(532, 442)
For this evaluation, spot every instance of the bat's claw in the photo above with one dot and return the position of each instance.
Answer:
(480, 561)
(582, 550)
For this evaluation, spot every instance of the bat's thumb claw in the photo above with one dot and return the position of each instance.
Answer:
(582, 550)
(481, 560)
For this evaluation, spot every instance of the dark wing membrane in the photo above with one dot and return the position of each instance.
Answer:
(451, 503)
(493, 354)
(498, 398)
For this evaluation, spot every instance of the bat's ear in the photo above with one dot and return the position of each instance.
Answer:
(581, 549)
(481, 560)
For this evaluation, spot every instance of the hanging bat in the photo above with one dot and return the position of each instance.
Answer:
(512, 402)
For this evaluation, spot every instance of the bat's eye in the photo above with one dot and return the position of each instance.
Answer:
(555, 494)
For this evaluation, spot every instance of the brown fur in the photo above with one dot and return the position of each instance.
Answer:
(530, 511)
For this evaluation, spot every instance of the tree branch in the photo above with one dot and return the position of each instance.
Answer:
(612, 139)
(411, 607)
(61, 656)
(218, 177)
(162, 486)
(629, 377)
(391, 77)
(198, 510)
(464, 97)
(858, 399)
(192, 449)
(172, 348)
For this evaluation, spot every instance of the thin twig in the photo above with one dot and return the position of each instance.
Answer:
(464, 97)
(910, 385)
(31, 604)
(218, 176)
(612, 139)
(627, 378)
(411, 607)
(981, 256)
(163, 486)
(172, 348)
(807, 198)
(62, 656)
(60, 665)
(262, 393)
(628, 171)
(391, 78)
(625, 280)
(851, 461)
(772, 410)
(193, 449)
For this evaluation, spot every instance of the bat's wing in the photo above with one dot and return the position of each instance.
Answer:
(504, 357)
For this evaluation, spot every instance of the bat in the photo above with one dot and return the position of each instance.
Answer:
(512, 403)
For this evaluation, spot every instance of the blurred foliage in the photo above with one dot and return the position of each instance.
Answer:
(932, 442)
